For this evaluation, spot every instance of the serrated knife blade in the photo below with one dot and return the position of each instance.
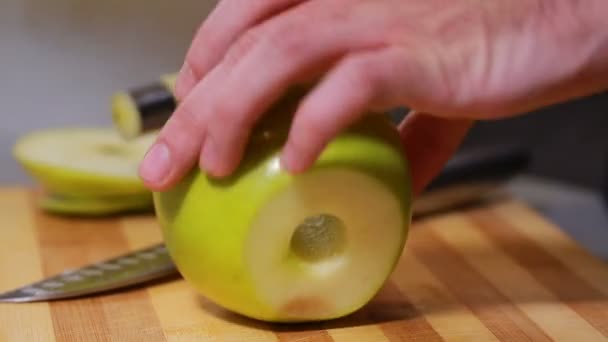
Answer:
(129, 269)
(468, 177)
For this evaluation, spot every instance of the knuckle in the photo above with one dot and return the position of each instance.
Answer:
(178, 135)
(188, 115)
(284, 42)
(363, 77)
(243, 46)
(363, 73)
(185, 119)
(226, 112)
(197, 53)
(229, 115)
(193, 64)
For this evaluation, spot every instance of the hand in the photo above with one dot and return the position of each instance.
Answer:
(452, 61)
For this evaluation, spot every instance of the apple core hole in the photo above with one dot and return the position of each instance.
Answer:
(319, 238)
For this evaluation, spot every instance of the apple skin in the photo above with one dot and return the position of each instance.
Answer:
(60, 204)
(75, 183)
(205, 222)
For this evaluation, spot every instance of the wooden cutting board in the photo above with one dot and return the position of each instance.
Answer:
(499, 272)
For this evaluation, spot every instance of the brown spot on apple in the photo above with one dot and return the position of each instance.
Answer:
(305, 307)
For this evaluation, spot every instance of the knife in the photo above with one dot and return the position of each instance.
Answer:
(470, 176)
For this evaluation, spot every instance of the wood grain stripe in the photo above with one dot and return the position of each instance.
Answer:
(549, 271)
(183, 314)
(513, 280)
(363, 333)
(555, 242)
(412, 325)
(19, 265)
(123, 316)
(305, 336)
(452, 320)
(501, 317)
(390, 315)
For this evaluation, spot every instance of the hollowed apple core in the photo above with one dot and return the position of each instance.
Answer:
(319, 238)
(324, 244)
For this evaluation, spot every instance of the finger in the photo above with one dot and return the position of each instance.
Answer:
(429, 142)
(260, 66)
(232, 114)
(179, 142)
(362, 81)
(222, 27)
(172, 154)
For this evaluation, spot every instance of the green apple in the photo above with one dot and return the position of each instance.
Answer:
(95, 206)
(290, 248)
(83, 161)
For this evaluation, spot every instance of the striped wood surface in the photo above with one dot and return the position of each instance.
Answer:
(500, 272)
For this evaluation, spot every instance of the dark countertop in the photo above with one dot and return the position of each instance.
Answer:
(580, 212)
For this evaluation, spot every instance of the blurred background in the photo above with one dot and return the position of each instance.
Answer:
(62, 59)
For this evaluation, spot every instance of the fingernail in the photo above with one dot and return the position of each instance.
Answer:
(185, 81)
(156, 164)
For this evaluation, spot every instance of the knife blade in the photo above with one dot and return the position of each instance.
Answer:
(130, 269)
(468, 177)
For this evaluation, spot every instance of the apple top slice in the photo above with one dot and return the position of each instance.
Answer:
(83, 161)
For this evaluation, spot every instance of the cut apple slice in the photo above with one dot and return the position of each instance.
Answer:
(83, 161)
(95, 206)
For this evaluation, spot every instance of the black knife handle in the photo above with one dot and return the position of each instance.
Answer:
(483, 164)
(605, 191)
(145, 108)
(155, 104)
